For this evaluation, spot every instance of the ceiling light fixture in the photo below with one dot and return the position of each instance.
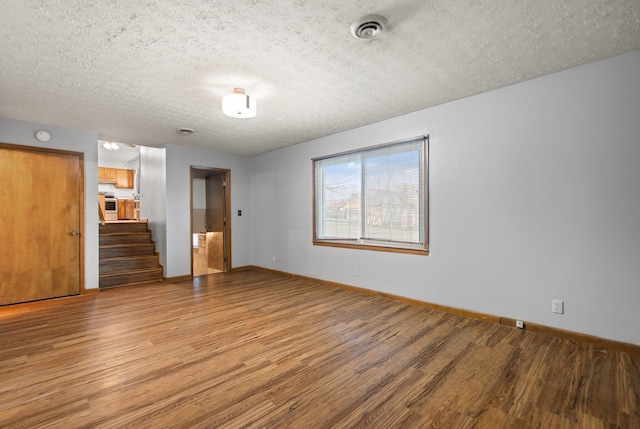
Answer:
(369, 27)
(239, 105)
(110, 146)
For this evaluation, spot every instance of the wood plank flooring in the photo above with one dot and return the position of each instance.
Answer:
(257, 350)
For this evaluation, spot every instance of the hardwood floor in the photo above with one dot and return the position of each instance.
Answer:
(255, 349)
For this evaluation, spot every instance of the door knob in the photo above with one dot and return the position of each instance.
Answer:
(74, 232)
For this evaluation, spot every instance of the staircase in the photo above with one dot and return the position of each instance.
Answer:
(127, 255)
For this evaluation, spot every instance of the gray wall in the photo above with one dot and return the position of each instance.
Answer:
(179, 161)
(23, 133)
(534, 196)
(153, 201)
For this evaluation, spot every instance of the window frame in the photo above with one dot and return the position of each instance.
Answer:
(397, 247)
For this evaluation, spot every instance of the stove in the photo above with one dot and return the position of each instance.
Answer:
(110, 207)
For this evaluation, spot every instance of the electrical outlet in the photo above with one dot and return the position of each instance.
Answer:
(519, 324)
(356, 271)
(557, 306)
(273, 258)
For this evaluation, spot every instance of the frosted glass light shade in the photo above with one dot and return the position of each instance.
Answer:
(110, 146)
(239, 105)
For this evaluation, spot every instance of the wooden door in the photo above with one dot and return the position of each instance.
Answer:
(40, 224)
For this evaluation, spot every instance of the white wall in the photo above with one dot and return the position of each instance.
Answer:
(22, 133)
(534, 196)
(153, 201)
(179, 161)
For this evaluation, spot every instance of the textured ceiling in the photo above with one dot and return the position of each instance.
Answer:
(134, 71)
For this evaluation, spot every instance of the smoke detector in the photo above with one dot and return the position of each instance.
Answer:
(369, 27)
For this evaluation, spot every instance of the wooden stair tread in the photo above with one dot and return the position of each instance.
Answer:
(115, 234)
(107, 239)
(117, 265)
(127, 255)
(130, 257)
(121, 278)
(110, 246)
(129, 272)
(130, 284)
(127, 258)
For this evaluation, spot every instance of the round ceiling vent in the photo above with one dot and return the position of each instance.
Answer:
(186, 131)
(369, 27)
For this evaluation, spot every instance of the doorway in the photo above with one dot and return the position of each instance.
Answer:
(41, 224)
(210, 221)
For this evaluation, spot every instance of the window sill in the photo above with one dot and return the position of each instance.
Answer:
(374, 247)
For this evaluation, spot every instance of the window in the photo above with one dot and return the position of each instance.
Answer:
(373, 198)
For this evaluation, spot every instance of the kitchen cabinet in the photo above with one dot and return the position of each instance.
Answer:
(126, 209)
(130, 209)
(106, 175)
(124, 178)
(120, 177)
(122, 210)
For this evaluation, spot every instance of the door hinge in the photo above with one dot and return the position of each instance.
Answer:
(224, 184)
